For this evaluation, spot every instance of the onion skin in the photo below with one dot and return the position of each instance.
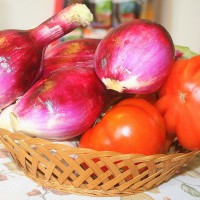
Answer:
(61, 106)
(78, 53)
(76, 47)
(21, 52)
(20, 65)
(135, 57)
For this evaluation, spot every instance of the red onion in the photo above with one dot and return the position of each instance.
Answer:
(76, 47)
(79, 52)
(21, 52)
(61, 106)
(135, 57)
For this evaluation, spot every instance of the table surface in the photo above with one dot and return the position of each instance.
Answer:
(14, 185)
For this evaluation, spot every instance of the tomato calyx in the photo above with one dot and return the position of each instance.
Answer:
(182, 96)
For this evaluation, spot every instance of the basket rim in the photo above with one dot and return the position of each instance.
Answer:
(4, 134)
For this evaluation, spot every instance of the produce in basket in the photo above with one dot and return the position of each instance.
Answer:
(21, 51)
(78, 52)
(179, 103)
(69, 98)
(132, 126)
(61, 106)
(135, 57)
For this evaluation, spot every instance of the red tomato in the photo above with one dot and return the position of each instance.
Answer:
(179, 103)
(132, 126)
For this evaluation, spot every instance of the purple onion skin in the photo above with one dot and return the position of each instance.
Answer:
(76, 47)
(20, 66)
(61, 106)
(78, 53)
(136, 56)
(21, 52)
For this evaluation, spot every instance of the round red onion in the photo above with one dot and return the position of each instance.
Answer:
(61, 106)
(135, 57)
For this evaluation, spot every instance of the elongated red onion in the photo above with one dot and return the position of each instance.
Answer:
(21, 52)
(79, 52)
(135, 57)
(61, 106)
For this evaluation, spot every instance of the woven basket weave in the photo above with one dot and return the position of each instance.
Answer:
(89, 172)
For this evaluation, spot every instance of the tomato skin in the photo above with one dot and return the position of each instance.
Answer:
(179, 103)
(132, 126)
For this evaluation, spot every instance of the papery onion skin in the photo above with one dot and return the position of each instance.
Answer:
(135, 57)
(21, 52)
(61, 106)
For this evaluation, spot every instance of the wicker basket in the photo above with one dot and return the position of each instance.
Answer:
(89, 172)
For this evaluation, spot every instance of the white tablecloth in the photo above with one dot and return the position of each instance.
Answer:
(14, 185)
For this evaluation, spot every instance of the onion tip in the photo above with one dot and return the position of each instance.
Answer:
(14, 121)
(113, 84)
(82, 14)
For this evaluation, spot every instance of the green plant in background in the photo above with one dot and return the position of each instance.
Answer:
(103, 6)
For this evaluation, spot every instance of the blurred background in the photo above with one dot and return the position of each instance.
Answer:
(180, 17)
